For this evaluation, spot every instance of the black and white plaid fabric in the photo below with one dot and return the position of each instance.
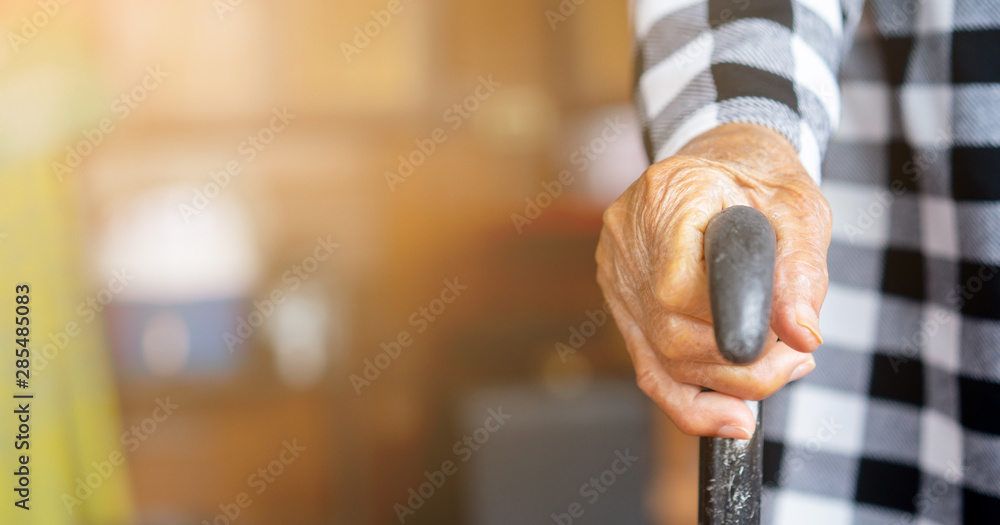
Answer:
(897, 104)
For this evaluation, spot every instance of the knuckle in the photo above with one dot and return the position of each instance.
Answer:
(681, 284)
(664, 291)
(675, 353)
(669, 330)
(604, 255)
(670, 289)
(647, 382)
(659, 171)
(616, 240)
(612, 214)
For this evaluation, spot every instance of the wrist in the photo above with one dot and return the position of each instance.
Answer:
(749, 148)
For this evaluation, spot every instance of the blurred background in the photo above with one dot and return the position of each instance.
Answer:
(311, 262)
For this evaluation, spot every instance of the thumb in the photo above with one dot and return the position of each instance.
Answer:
(800, 282)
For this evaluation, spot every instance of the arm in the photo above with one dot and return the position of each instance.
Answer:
(738, 110)
(704, 63)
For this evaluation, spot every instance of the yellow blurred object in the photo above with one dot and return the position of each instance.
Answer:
(77, 466)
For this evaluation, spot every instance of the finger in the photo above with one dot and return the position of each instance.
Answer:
(681, 283)
(683, 338)
(753, 382)
(694, 412)
(693, 371)
(672, 335)
(801, 278)
(679, 209)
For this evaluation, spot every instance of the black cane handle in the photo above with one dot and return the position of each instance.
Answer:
(739, 258)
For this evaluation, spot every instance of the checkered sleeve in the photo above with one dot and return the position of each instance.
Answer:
(703, 63)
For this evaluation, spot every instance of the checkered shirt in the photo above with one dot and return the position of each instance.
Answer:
(897, 104)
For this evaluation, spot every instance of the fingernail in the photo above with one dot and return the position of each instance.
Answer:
(734, 432)
(806, 318)
(802, 370)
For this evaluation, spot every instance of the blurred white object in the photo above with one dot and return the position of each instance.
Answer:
(211, 255)
(604, 149)
(298, 334)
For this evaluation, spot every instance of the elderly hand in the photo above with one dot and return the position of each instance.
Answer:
(651, 268)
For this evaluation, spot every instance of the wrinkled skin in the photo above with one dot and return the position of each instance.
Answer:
(651, 269)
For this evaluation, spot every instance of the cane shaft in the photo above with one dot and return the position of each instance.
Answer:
(739, 259)
(729, 478)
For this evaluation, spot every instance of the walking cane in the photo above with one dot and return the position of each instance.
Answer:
(739, 254)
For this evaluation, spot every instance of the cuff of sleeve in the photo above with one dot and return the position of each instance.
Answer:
(752, 110)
